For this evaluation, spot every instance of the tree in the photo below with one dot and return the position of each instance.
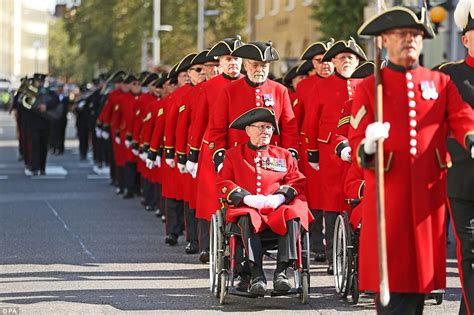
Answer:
(339, 19)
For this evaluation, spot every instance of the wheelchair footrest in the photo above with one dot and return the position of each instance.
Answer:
(234, 291)
(289, 292)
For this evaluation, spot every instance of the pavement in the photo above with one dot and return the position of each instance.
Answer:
(69, 245)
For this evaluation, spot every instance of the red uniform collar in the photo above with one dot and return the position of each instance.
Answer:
(470, 61)
(228, 77)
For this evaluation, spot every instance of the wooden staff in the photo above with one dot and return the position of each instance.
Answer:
(384, 295)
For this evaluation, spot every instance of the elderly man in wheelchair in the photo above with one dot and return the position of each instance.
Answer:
(263, 188)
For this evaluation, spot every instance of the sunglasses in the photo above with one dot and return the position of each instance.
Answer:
(198, 70)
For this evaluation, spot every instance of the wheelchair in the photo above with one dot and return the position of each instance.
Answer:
(346, 256)
(222, 260)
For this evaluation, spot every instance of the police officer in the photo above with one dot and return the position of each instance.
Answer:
(420, 106)
(461, 174)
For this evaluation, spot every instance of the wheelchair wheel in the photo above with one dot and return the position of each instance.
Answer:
(223, 279)
(213, 272)
(340, 255)
(438, 298)
(355, 289)
(306, 255)
(305, 287)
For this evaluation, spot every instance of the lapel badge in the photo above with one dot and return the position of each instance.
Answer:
(428, 90)
(268, 100)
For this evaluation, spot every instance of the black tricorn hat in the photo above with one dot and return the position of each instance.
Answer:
(225, 46)
(39, 76)
(398, 17)
(464, 15)
(129, 78)
(343, 46)
(149, 78)
(202, 58)
(254, 115)
(290, 75)
(316, 48)
(363, 70)
(117, 77)
(305, 67)
(161, 81)
(173, 75)
(185, 63)
(103, 76)
(143, 75)
(259, 51)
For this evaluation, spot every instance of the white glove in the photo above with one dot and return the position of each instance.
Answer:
(117, 140)
(149, 163)
(170, 163)
(127, 143)
(158, 161)
(255, 201)
(143, 156)
(346, 154)
(472, 152)
(135, 152)
(192, 168)
(219, 167)
(98, 132)
(315, 166)
(182, 168)
(274, 201)
(105, 135)
(373, 133)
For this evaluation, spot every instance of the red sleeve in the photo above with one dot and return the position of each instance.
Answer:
(199, 120)
(158, 131)
(298, 108)
(310, 129)
(106, 114)
(354, 182)
(342, 130)
(182, 127)
(172, 112)
(138, 121)
(218, 122)
(148, 123)
(289, 127)
(225, 181)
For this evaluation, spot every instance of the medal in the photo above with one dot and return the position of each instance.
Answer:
(428, 90)
(268, 100)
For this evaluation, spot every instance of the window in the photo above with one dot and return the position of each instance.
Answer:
(275, 8)
(260, 10)
(290, 5)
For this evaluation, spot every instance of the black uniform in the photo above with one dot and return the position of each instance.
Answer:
(58, 126)
(461, 184)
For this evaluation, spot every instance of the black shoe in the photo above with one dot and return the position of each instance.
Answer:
(330, 270)
(163, 218)
(149, 208)
(320, 257)
(42, 172)
(281, 283)
(158, 213)
(119, 191)
(258, 287)
(204, 256)
(192, 248)
(128, 195)
(243, 284)
(171, 240)
(142, 202)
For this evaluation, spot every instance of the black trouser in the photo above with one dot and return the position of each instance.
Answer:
(462, 212)
(316, 232)
(253, 241)
(130, 173)
(111, 158)
(329, 224)
(160, 201)
(203, 228)
(402, 304)
(149, 193)
(39, 139)
(119, 176)
(190, 223)
(174, 216)
(83, 134)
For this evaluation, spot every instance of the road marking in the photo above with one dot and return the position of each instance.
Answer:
(3, 177)
(94, 176)
(77, 237)
(48, 177)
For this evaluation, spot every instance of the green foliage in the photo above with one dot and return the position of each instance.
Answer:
(339, 19)
(108, 34)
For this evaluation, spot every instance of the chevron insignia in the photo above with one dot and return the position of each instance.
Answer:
(355, 121)
(148, 117)
(344, 120)
(160, 112)
(182, 108)
(295, 102)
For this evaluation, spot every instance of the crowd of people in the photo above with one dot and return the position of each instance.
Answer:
(215, 126)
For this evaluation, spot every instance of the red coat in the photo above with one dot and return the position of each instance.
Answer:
(152, 135)
(420, 105)
(319, 128)
(173, 180)
(126, 117)
(304, 94)
(105, 116)
(182, 134)
(239, 177)
(198, 142)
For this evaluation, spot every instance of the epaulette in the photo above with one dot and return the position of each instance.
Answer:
(441, 66)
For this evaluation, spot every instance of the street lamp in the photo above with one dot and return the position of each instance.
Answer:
(157, 28)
